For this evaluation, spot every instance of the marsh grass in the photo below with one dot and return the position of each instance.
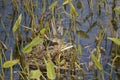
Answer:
(33, 26)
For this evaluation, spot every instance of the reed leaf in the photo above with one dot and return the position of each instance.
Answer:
(66, 2)
(17, 23)
(115, 40)
(10, 63)
(80, 49)
(97, 63)
(52, 6)
(34, 42)
(73, 12)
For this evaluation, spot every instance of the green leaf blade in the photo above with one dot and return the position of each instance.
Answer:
(65, 2)
(73, 11)
(42, 31)
(34, 42)
(35, 74)
(17, 23)
(115, 40)
(50, 69)
(80, 49)
(97, 63)
(53, 5)
(11, 63)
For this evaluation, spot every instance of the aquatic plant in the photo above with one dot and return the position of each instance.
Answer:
(51, 38)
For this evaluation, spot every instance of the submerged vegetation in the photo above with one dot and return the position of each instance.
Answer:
(59, 40)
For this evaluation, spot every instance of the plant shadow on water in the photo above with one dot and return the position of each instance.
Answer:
(59, 39)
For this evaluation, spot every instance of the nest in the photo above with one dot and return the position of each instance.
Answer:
(39, 52)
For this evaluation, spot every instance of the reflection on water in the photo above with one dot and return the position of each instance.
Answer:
(93, 16)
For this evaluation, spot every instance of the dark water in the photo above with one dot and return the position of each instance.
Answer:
(9, 14)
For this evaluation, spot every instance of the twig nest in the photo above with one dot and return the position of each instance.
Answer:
(49, 49)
